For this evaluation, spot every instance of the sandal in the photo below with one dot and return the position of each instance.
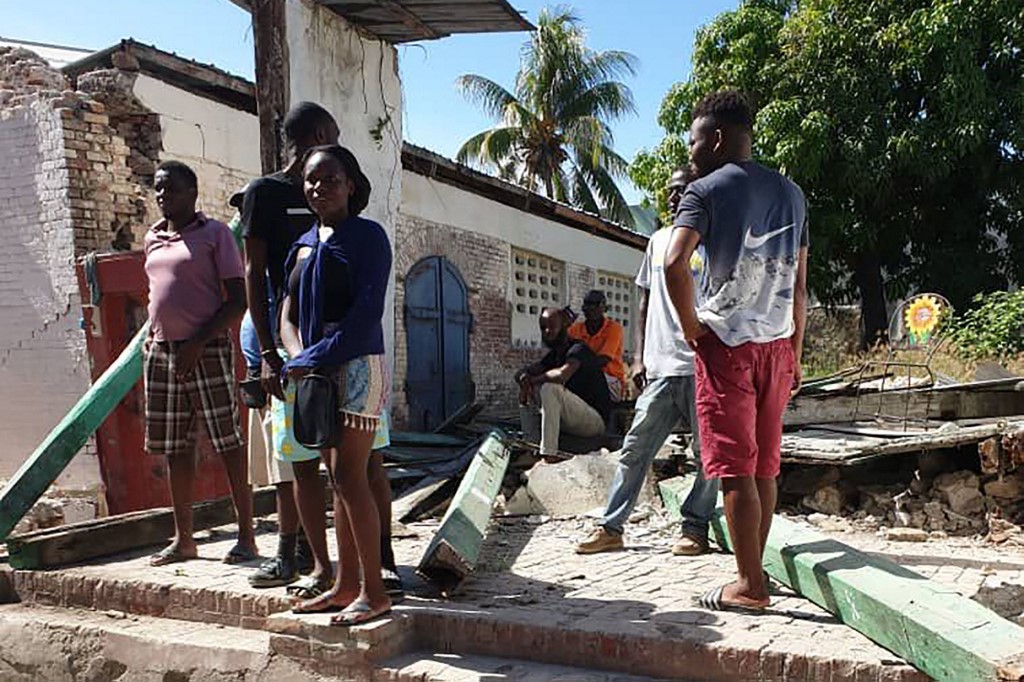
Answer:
(320, 604)
(358, 613)
(713, 601)
(170, 555)
(274, 572)
(240, 554)
(310, 587)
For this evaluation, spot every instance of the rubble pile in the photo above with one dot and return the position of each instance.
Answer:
(934, 504)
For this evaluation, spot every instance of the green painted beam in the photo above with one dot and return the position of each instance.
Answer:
(43, 467)
(455, 548)
(947, 636)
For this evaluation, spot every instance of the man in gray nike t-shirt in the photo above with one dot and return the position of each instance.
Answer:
(747, 331)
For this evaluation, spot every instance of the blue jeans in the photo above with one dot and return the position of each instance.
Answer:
(660, 407)
(250, 342)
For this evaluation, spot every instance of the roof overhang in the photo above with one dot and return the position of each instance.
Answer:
(406, 21)
(428, 164)
(204, 80)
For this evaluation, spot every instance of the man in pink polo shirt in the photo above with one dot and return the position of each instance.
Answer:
(196, 291)
(748, 331)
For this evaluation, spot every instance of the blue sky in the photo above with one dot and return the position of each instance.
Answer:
(659, 32)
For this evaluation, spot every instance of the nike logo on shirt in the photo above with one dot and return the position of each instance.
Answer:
(752, 241)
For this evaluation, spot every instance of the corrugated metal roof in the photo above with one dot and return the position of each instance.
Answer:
(404, 21)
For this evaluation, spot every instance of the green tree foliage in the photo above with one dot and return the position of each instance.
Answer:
(992, 328)
(903, 120)
(553, 133)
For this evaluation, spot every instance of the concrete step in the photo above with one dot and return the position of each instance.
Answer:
(40, 643)
(424, 666)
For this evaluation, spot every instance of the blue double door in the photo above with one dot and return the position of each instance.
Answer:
(437, 327)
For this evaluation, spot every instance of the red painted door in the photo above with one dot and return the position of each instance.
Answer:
(133, 478)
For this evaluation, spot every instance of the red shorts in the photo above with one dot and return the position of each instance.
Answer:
(742, 393)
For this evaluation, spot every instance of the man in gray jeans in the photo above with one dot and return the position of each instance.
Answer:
(665, 373)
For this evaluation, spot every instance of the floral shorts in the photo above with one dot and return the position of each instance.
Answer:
(364, 388)
(287, 449)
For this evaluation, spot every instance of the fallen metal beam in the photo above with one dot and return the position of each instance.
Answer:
(455, 549)
(43, 467)
(947, 636)
(78, 542)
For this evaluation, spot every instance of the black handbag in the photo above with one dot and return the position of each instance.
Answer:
(315, 423)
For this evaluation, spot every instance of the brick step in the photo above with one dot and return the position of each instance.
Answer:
(682, 649)
(424, 666)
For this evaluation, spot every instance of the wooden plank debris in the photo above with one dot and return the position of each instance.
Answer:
(422, 501)
(947, 636)
(455, 549)
(78, 542)
(961, 401)
(43, 466)
(427, 440)
(464, 415)
(855, 444)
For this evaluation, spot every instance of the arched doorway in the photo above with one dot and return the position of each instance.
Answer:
(437, 326)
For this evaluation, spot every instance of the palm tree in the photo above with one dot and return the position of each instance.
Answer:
(553, 133)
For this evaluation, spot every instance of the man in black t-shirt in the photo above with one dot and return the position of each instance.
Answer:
(565, 391)
(274, 213)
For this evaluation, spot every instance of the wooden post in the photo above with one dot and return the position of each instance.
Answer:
(951, 638)
(77, 542)
(43, 467)
(453, 553)
(272, 79)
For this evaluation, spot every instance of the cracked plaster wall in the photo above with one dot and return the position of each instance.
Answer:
(43, 368)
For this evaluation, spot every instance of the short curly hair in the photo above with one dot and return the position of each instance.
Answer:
(726, 107)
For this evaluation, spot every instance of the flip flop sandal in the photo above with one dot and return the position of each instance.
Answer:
(357, 614)
(240, 555)
(309, 588)
(169, 555)
(713, 602)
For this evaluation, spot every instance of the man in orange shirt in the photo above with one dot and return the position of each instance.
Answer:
(606, 338)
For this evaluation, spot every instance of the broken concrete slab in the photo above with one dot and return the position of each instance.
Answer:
(577, 486)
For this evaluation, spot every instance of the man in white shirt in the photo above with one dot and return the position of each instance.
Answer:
(663, 368)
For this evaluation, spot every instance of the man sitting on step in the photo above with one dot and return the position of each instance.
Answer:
(606, 338)
(566, 390)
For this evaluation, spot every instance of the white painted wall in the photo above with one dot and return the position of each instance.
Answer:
(443, 203)
(219, 142)
(429, 199)
(356, 79)
(43, 365)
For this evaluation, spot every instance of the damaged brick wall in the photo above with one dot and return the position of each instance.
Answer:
(483, 263)
(43, 366)
(131, 138)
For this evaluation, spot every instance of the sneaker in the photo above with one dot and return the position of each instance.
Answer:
(690, 545)
(599, 541)
(275, 572)
(392, 583)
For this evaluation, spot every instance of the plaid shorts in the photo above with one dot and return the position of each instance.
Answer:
(172, 404)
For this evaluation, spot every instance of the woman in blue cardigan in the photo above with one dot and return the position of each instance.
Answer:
(340, 271)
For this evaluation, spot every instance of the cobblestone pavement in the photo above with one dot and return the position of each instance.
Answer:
(530, 575)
